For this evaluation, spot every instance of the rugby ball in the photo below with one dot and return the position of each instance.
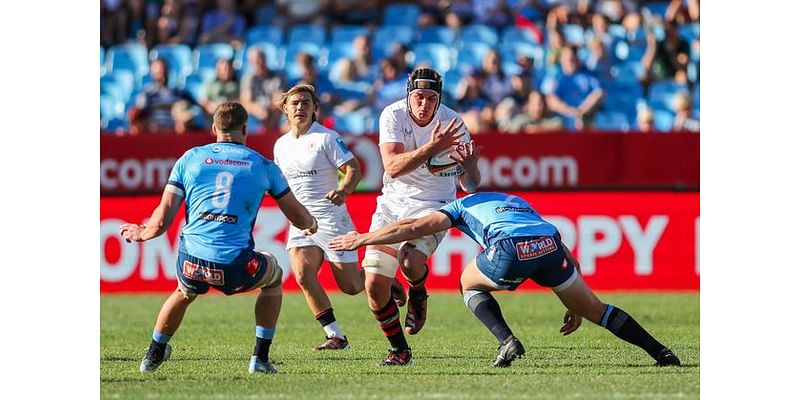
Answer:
(444, 166)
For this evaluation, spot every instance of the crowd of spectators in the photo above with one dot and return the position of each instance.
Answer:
(578, 65)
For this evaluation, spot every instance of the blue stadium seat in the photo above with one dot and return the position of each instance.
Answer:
(102, 61)
(611, 121)
(689, 32)
(307, 33)
(510, 51)
(435, 54)
(478, 33)
(129, 57)
(471, 55)
(126, 82)
(663, 120)
(111, 109)
(347, 33)
(662, 93)
(386, 35)
(336, 52)
(401, 14)
(109, 87)
(352, 123)
(206, 55)
(450, 82)
(437, 34)
(573, 34)
(265, 15)
(263, 33)
(513, 35)
(306, 47)
(196, 84)
(177, 56)
(696, 96)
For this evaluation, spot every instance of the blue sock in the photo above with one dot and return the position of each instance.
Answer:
(264, 337)
(160, 340)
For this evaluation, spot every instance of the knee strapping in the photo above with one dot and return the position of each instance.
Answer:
(474, 297)
(275, 277)
(378, 262)
(187, 294)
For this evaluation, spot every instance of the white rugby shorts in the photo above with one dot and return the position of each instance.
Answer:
(330, 226)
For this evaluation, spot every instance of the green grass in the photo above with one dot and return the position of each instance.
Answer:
(451, 354)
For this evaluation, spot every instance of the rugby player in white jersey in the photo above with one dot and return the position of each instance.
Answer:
(311, 156)
(412, 130)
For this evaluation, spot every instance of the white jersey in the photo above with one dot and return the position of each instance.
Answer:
(311, 164)
(419, 186)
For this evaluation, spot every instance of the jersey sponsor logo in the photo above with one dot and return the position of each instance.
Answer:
(214, 217)
(342, 146)
(227, 162)
(203, 274)
(292, 173)
(503, 209)
(531, 249)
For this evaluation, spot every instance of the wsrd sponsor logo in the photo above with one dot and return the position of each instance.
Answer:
(531, 249)
(203, 274)
(227, 162)
(517, 209)
(224, 218)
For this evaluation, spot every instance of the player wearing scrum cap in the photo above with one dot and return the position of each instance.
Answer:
(412, 130)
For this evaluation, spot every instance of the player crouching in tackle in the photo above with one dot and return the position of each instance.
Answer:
(311, 156)
(517, 245)
(222, 184)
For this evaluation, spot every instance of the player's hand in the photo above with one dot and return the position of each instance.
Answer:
(350, 241)
(467, 155)
(312, 230)
(336, 196)
(443, 139)
(572, 322)
(131, 232)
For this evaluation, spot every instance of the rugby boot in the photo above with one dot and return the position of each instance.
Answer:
(334, 343)
(399, 293)
(667, 357)
(398, 357)
(506, 353)
(417, 310)
(256, 366)
(154, 358)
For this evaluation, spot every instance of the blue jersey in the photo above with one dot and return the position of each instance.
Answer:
(223, 184)
(488, 216)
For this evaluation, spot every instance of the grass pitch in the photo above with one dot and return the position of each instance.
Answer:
(212, 349)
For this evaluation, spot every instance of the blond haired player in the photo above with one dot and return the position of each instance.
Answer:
(412, 130)
(311, 157)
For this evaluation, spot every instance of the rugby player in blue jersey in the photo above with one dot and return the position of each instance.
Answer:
(222, 185)
(517, 245)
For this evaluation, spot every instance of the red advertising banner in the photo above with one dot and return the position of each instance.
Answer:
(623, 240)
(141, 164)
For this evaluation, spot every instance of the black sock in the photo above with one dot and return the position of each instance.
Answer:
(485, 307)
(262, 349)
(157, 348)
(626, 328)
(389, 320)
(326, 317)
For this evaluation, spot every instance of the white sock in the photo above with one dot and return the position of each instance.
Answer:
(333, 329)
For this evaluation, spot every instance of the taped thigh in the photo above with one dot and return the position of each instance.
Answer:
(274, 272)
(381, 260)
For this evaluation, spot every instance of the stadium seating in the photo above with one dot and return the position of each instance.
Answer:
(401, 14)
(125, 81)
(662, 94)
(266, 15)
(352, 123)
(272, 53)
(177, 56)
(102, 61)
(347, 33)
(437, 34)
(663, 120)
(386, 36)
(195, 85)
(269, 34)
(513, 35)
(206, 55)
(110, 109)
(435, 54)
(611, 121)
(573, 34)
(479, 34)
(129, 57)
(657, 9)
(471, 55)
(307, 34)
(450, 82)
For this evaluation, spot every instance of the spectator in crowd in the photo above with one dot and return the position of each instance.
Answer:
(683, 12)
(634, 34)
(663, 60)
(599, 61)
(222, 89)
(160, 108)
(389, 88)
(555, 44)
(573, 93)
(534, 118)
(495, 84)
(683, 114)
(399, 54)
(362, 61)
(645, 120)
(223, 25)
(521, 87)
(599, 29)
(131, 20)
(178, 22)
(260, 88)
(470, 93)
(309, 75)
(491, 12)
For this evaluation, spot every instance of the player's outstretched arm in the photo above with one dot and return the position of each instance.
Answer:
(468, 157)
(297, 214)
(159, 221)
(397, 232)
